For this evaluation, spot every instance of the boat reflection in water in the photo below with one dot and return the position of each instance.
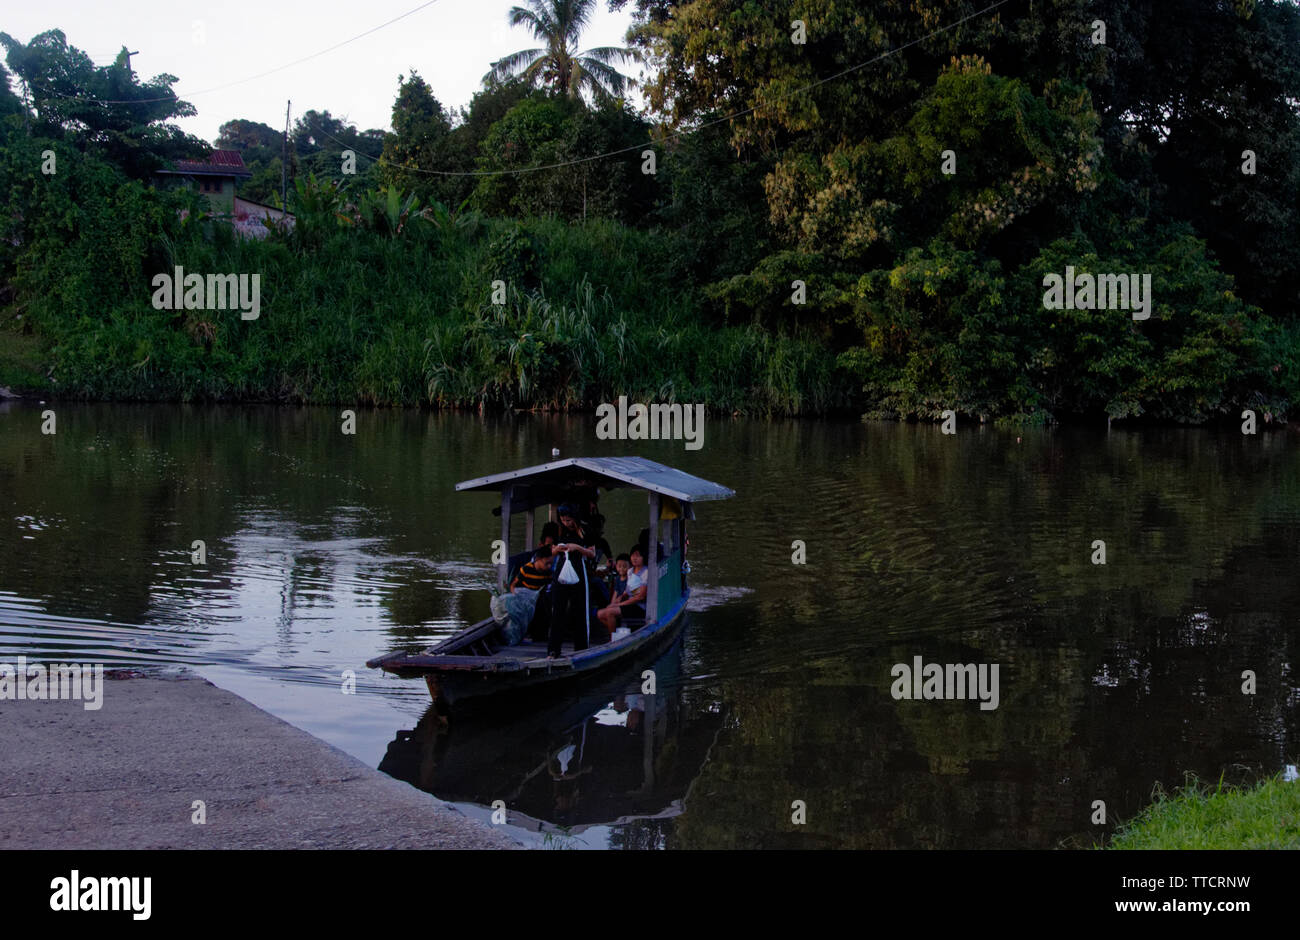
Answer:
(607, 755)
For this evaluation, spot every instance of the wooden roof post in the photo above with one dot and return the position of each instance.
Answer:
(652, 563)
(503, 569)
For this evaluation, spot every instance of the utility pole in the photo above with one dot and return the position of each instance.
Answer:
(131, 71)
(284, 163)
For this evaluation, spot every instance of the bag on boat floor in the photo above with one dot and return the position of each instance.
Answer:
(518, 609)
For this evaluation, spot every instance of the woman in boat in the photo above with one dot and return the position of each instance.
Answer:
(570, 602)
(631, 602)
(583, 500)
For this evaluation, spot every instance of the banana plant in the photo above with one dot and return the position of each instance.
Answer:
(383, 210)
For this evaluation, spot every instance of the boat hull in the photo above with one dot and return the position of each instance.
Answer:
(459, 680)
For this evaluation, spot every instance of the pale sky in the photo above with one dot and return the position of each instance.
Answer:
(451, 43)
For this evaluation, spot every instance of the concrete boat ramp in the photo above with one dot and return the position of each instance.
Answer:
(126, 776)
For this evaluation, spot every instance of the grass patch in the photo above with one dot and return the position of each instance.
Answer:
(1265, 816)
(20, 363)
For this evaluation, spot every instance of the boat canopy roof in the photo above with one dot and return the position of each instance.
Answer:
(549, 481)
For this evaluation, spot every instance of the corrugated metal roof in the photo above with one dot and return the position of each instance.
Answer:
(219, 163)
(227, 158)
(612, 472)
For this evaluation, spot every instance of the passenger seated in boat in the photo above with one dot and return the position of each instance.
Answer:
(614, 582)
(621, 566)
(631, 601)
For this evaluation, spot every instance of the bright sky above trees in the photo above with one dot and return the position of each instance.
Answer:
(451, 43)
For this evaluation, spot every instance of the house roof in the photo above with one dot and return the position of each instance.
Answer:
(219, 163)
(548, 480)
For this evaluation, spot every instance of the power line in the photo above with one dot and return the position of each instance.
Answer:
(683, 133)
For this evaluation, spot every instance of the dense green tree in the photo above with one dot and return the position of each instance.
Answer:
(10, 103)
(418, 146)
(460, 152)
(1210, 81)
(570, 140)
(435, 153)
(318, 140)
(922, 161)
(104, 107)
(713, 201)
(253, 139)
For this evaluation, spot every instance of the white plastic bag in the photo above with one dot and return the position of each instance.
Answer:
(567, 574)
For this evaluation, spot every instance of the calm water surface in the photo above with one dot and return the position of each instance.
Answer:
(324, 550)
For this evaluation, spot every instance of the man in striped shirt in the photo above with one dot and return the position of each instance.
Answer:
(537, 573)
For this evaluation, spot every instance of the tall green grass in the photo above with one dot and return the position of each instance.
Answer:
(20, 358)
(351, 314)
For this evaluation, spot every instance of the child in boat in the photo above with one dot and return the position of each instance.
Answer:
(540, 624)
(515, 611)
(621, 566)
(629, 602)
(550, 535)
(536, 574)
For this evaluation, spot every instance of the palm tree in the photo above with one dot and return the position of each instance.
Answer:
(558, 24)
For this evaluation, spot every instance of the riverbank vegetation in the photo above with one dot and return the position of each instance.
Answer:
(1266, 816)
(811, 240)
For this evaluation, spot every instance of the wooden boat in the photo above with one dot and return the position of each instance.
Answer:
(475, 662)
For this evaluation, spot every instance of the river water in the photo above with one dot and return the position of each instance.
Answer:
(774, 722)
